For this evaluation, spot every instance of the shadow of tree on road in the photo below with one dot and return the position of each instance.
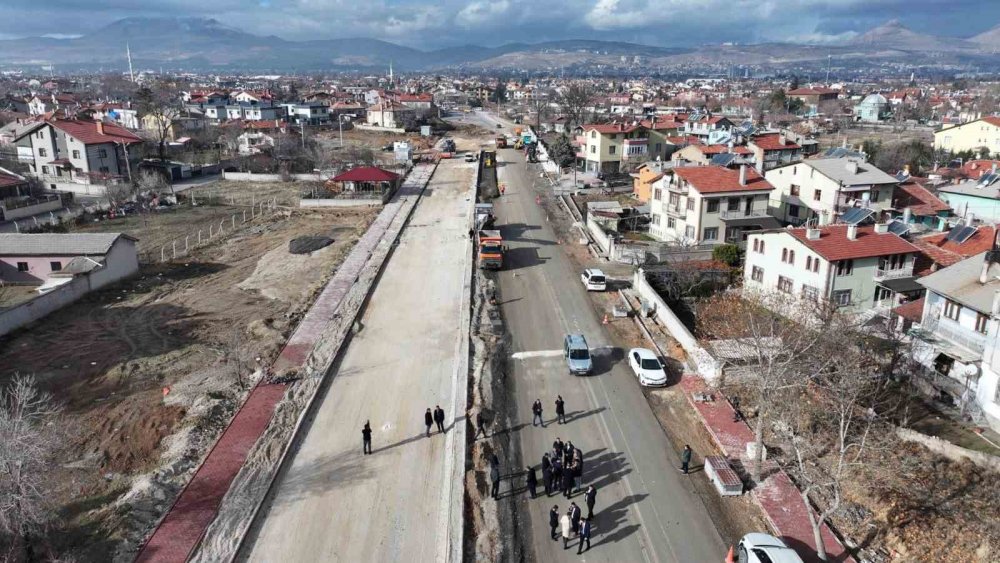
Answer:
(321, 476)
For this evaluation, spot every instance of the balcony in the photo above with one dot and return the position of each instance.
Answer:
(742, 214)
(958, 335)
(676, 211)
(882, 274)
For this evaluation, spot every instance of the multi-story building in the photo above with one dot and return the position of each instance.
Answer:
(974, 199)
(312, 113)
(772, 150)
(959, 340)
(644, 176)
(972, 136)
(708, 204)
(857, 268)
(822, 189)
(613, 147)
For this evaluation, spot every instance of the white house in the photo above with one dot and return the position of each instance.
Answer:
(825, 188)
(389, 114)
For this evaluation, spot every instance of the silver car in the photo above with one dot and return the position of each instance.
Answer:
(577, 355)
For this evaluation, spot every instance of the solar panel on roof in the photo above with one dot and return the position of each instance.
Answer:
(855, 215)
(898, 227)
(965, 234)
(723, 159)
(954, 232)
(988, 179)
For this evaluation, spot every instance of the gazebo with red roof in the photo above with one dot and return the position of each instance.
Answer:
(365, 180)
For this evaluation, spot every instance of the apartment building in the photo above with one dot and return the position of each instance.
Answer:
(856, 268)
(612, 148)
(708, 204)
(772, 150)
(823, 189)
(972, 136)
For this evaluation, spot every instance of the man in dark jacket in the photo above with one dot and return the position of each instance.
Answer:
(574, 516)
(557, 447)
(439, 418)
(536, 414)
(590, 497)
(428, 420)
(560, 410)
(568, 452)
(685, 459)
(495, 480)
(554, 522)
(584, 535)
(531, 480)
(547, 479)
(546, 461)
(567, 481)
(366, 438)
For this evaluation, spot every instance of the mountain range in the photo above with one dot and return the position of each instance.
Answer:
(205, 44)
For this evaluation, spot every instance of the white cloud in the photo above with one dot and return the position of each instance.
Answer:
(479, 13)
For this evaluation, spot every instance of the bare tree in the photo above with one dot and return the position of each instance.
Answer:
(27, 440)
(574, 102)
(153, 182)
(159, 113)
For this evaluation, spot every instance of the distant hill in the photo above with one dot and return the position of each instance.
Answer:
(204, 44)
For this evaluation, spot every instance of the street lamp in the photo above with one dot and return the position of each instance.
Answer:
(340, 125)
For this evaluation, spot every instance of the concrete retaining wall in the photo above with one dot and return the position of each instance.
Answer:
(364, 127)
(600, 237)
(29, 210)
(340, 202)
(708, 367)
(251, 177)
(949, 450)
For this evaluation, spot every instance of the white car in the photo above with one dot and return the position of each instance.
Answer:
(765, 548)
(594, 280)
(647, 367)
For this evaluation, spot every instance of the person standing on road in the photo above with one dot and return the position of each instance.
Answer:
(536, 414)
(557, 447)
(495, 480)
(568, 452)
(429, 421)
(554, 522)
(547, 479)
(480, 425)
(590, 497)
(560, 410)
(531, 481)
(584, 535)
(567, 481)
(685, 459)
(566, 529)
(574, 517)
(546, 462)
(366, 438)
(439, 418)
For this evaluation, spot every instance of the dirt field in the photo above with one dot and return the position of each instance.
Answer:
(856, 135)
(248, 193)
(182, 326)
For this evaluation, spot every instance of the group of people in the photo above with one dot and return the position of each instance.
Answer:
(437, 417)
(561, 468)
(536, 412)
(571, 523)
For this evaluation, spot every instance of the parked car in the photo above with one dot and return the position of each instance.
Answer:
(647, 367)
(594, 280)
(577, 355)
(765, 548)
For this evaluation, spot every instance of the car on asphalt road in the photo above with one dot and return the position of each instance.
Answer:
(577, 355)
(764, 548)
(647, 367)
(594, 280)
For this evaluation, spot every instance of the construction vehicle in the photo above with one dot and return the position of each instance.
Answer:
(517, 131)
(501, 141)
(491, 249)
(518, 143)
(484, 216)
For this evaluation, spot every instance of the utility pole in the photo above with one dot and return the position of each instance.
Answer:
(340, 125)
(302, 128)
(128, 54)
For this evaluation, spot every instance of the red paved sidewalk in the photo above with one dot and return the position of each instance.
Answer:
(777, 495)
(179, 532)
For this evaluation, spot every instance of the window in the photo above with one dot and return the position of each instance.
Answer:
(845, 267)
(658, 194)
(671, 223)
(874, 198)
(56, 266)
(809, 263)
(795, 190)
(733, 204)
(689, 231)
(815, 267)
(654, 219)
(42, 152)
(593, 149)
(756, 245)
(76, 154)
(842, 297)
(952, 310)
(809, 292)
(690, 205)
(982, 323)
(614, 135)
(784, 254)
(757, 274)
(784, 284)
(711, 233)
(611, 149)
(102, 153)
(787, 256)
(22, 266)
(593, 134)
(793, 210)
(713, 206)
(675, 200)
(881, 293)
(45, 170)
(817, 195)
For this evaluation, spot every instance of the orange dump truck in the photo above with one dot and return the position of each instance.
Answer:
(491, 249)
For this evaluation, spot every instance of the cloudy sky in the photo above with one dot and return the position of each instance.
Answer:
(436, 23)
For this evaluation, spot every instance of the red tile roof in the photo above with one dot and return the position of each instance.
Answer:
(716, 179)
(992, 120)
(912, 311)
(8, 180)
(86, 132)
(366, 174)
(833, 244)
(810, 91)
(610, 128)
(719, 149)
(976, 168)
(937, 250)
(659, 123)
(919, 199)
(770, 142)
(684, 140)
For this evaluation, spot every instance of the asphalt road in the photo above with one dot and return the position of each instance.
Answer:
(646, 509)
(335, 504)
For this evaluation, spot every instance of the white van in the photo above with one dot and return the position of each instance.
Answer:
(594, 280)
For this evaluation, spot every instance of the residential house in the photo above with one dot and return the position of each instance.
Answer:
(873, 109)
(392, 115)
(977, 136)
(613, 147)
(942, 249)
(309, 113)
(42, 104)
(51, 259)
(17, 200)
(644, 176)
(709, 204)
(705, 126)
(702, 155)
(79, 156)
(974, 199)
(661, 128)
(960, 328)
(772, 150)
(853, 267)
(813, 97)
(419, 102)
(919, 205)
(118, 113)
(823, 189)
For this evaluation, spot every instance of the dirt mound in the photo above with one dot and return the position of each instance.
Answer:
(308, 244)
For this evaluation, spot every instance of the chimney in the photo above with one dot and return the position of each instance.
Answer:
(984, 276)
(100, 127)
(852, 232)
(907, 214)
(782, 139)
(812, 234)
(743, 174)
(881, 228)
(906, 170)
(852, 166)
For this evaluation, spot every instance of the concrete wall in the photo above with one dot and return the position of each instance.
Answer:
(30, 311)
(29, 210)
(120, 262)
(600, 237)
(708, 367)
(949, 450)
(340, 202)
(251, 177)
(382, 129)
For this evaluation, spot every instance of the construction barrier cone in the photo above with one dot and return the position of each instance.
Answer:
(605, 321)
(538, 199)
(730, 557)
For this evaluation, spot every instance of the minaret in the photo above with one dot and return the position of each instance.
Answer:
(128, 53)
(391, 83)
